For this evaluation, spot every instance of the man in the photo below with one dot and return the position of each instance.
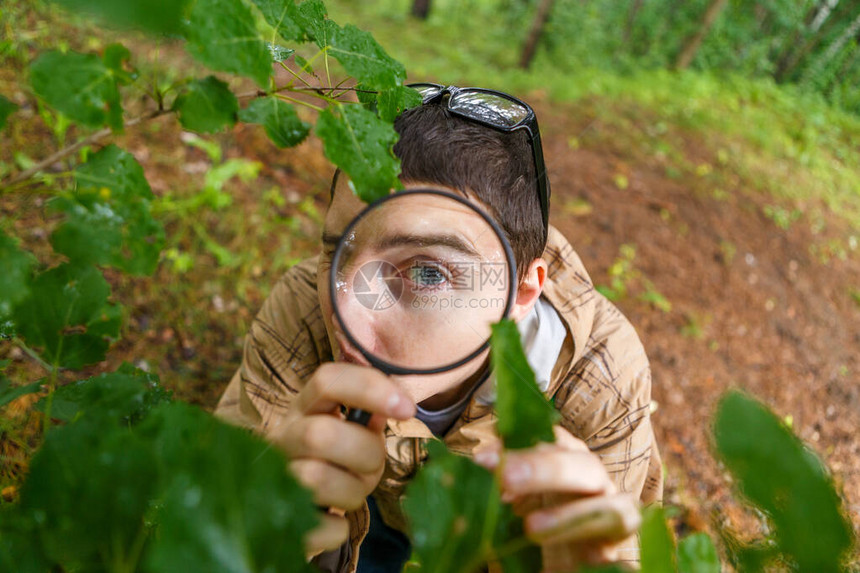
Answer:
(299, 371)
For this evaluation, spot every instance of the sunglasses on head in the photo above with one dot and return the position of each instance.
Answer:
(499, 111)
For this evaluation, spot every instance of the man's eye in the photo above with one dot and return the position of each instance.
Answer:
(427, 276)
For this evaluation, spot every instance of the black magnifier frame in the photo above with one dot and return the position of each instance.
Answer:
(376, 362)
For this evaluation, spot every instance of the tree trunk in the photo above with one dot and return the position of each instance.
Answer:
(823, 13)
(837, 45)
(544, 8)
(787, 49)
(787, 66)
(631, 19)
(691, 46)
(421, 9)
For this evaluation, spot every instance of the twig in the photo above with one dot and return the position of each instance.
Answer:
(298, 101)
(32, 354)
(90, 139)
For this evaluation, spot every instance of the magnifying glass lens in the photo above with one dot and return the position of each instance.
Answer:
(418, 279)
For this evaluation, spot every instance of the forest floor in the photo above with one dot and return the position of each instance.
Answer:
(727, 285)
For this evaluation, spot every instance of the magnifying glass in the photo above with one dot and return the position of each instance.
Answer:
(417, 279)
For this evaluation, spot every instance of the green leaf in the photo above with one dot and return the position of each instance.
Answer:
(125, 396)
(223, 35)
(114, 56)
(279, 53)
(108, 218)
(362, 56)
(19, 545)
(361, 144)
(158, 16)
(392, 102)
(80, 86)
(67, 314)
(16, 265)
(206, 106)
(311, 18)
(448, 504)
(88, 489)
(655, 539)
(697, 554)
(510, 531)
(525, 416)
(786, 481)
(8, 393)
(305, 65)
(282, 15)
(278, 118)
(7, 108)
(229, 504)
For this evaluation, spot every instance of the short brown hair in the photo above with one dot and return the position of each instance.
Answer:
(497, 168)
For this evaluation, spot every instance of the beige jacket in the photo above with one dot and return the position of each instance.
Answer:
(601, 384)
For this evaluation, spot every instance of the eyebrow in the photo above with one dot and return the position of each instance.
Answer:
(433, 240)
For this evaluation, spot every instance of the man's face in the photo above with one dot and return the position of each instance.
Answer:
(438, 313)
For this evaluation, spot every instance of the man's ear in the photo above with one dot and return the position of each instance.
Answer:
(529, 289)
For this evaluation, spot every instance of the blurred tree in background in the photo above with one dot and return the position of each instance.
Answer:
(809, 43)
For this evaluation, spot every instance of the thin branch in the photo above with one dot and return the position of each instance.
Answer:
(32, 354)
(297, 76)
(298, 101)
(90, 139)
(255, 93)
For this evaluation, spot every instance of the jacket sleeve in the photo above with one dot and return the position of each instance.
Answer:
(283, 348)
(606, 401)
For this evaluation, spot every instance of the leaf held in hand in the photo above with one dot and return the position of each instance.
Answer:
(656, 542)
(207, 106)
(525, 416)
(447, 505)
(361, 144)
(278, 118)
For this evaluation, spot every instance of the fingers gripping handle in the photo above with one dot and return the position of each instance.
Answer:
(358, 416)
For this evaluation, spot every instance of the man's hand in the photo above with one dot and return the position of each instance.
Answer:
(568, 502)
(340, 462)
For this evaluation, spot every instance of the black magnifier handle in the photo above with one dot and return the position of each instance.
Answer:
(358, 416)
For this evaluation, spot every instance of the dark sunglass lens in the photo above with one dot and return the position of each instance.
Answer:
(490, 108)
